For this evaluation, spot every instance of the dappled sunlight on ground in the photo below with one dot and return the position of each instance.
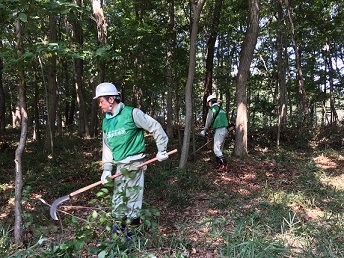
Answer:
(6, 208)
(337, 182)
(324, 162)
(311, 214)
(246, 181)
(266, 181)
(335, 170)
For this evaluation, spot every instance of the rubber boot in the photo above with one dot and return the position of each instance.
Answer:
(133, 224)
(217, 163)
(223, 167)
(118, 228)
(125, 230)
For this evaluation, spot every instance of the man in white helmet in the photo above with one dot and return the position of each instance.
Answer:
(123, 146)
(217, 120)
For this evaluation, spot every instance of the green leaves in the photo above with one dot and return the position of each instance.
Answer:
(22, 17)
(103, 192)
(102, 51)
(94, 214)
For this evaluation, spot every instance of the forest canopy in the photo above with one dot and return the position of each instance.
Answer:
(298, 60)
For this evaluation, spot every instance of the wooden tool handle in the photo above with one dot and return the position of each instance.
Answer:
(116, 175)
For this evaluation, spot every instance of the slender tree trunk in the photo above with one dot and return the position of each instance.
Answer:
(177, 113)
(95, 108)
(328, 61)
(52, 91)
(36, 128)
(169, 59)
(16, 118)
(297, 51)
(79, 88)
(281, 69)
(2, 99)
(98, 15)
(197, 8)
(246, 56)
(70, 102)
(230, 83)
(210, 57)
(289, 81)
(18, 228)
(83, 129)
(99, 18)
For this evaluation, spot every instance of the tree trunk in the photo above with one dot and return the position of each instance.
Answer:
(36, 136)
(70, 100)
(83, 129)
(197, 8)
(246, 56)
(328, 62)
(170, 74)
(16, 118)
(2, 99)
(18, 228)
(297, 50)
(210, 57)
(98, 15)
(52, 91)
(281, 69)
(93, 128)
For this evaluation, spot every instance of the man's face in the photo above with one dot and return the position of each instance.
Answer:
(104, 104)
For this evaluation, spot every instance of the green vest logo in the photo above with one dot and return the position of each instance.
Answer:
(115, 133)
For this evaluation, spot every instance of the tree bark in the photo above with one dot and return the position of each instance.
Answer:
(197, 8)
(52, 91)
(297, 51)
(210, 57)
(246, 56)
(83, 129)
(98, 14)
(36, 135)
(169, 67)
(328, 62)
(99, 18)
(18, 228)
(2, 99)
(281, 70)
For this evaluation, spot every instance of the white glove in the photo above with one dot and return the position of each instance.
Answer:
(105, 174)
(162, 155)
(203, 133)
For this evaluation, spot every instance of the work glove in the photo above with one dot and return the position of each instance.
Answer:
(162, 155)
(104, 176)
(203, 133)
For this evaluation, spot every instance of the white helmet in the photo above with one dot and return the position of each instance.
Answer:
(210, 97)
(106, 89)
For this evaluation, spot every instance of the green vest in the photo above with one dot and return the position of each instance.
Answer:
(221, 118)
(123, 136)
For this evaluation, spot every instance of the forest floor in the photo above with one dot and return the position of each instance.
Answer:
(273, 203)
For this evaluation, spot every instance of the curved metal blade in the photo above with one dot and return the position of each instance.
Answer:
(56, 203)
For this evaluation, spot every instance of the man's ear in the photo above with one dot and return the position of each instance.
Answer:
(117, 99)
(111, 100)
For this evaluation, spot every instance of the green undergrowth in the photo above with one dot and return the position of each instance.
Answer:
(274, 203)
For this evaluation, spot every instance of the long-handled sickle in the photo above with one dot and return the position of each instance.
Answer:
(60, 200)
(200, 147)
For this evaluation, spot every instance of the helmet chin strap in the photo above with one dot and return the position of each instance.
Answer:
(110, 108)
